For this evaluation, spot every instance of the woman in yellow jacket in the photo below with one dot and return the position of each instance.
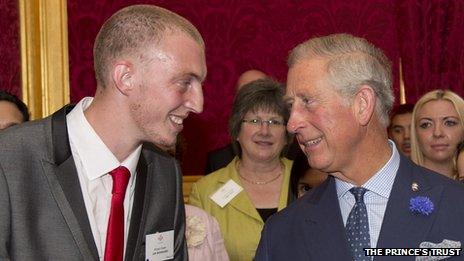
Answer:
(242, 195)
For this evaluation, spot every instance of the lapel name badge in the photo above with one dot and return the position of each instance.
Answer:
(159, 246)
(226, 193)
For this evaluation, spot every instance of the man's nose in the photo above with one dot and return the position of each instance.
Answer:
(194, 100)
(296, 119)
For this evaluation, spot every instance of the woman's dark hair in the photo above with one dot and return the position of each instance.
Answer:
(6, 96)
(264, 94)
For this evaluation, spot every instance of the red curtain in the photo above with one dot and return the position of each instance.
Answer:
(9, 47)
(431, 35)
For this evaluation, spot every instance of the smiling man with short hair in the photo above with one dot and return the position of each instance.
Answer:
(87, 183)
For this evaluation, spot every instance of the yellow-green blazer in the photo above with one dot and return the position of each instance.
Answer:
(239, 220)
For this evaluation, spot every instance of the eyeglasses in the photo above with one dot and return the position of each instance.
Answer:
(259, 122)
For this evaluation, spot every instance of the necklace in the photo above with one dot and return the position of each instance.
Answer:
(259, 182)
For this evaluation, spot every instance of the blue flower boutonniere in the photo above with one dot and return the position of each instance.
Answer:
(421, 205)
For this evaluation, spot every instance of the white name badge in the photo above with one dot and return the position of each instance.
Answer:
(160, 246)
(226, 193)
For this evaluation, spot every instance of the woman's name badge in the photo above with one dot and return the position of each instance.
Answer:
(226, 193)
(159, 246)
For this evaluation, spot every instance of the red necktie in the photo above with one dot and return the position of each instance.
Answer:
(114, 249)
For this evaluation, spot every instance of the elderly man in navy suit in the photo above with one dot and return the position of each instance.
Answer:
(340, 94)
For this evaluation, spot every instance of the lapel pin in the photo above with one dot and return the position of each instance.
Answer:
(415, 186)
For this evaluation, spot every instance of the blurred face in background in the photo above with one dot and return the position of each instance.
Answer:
(400, 132)
(439, 130)
(311, 179)
(9, 115)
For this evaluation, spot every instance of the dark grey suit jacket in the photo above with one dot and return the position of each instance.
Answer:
(42, 211)
(312, 227)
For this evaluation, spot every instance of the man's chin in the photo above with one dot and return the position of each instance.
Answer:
(166, 144)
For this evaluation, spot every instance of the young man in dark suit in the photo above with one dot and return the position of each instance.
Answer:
(87, 183)
(340, 93)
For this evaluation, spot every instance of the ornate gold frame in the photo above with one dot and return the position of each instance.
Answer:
(402, 88)
(44, 55)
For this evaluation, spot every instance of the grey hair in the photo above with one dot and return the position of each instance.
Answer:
(132, 29)
(351, 62)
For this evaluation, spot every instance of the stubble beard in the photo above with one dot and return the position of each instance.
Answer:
(152, 135)
(148, 130)
(163, 143)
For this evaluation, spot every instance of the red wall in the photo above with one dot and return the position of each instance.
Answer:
(10, 70)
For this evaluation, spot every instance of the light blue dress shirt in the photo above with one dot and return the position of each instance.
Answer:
(376, 198)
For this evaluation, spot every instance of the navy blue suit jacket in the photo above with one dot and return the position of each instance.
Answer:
(312, 227)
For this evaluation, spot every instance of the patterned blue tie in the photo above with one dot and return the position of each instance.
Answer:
(357, 226)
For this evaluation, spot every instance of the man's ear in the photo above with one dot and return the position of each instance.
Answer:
(123, 76)
(364, 104)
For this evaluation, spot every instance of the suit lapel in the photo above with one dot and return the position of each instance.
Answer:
(401, 227)
(323, 225)
(62, 177)
(158, 207)
(135, 229)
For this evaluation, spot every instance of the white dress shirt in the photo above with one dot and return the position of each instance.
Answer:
(376, 197)
(93, 162)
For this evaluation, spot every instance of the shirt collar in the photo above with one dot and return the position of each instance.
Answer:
(96, 157)
(381, 182)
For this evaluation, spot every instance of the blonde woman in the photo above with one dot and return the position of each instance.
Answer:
(437, 128)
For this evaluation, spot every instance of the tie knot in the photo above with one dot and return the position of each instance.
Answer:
(120, 177)
(358, 193)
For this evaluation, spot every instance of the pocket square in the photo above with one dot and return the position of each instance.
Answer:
(446, 243)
